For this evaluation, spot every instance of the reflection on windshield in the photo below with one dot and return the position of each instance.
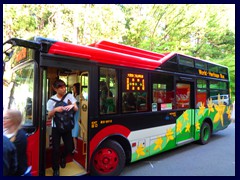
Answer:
(21, 93)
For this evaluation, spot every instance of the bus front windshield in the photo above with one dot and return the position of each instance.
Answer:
(19, 94)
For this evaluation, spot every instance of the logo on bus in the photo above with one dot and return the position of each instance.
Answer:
(84, 107)
(211, 74)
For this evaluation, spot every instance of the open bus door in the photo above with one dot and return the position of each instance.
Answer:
(81, 155)
(76, 163)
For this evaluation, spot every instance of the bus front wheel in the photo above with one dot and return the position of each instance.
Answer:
(108, 160)
(205, 133)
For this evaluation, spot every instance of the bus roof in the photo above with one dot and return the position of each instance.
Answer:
(107, 45)
(106, 52)
(112, 53)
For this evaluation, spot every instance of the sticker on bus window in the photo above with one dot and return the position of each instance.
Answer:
(166, 106)
(154, 107)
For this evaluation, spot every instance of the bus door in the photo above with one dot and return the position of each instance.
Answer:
(185, 103)
(76, 164)
(83, 121)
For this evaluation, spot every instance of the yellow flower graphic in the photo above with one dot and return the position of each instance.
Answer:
(210, 106)
(140, 150)
(229, 112)
(201, 109)
(220, 110)
(197, 125)
(179, 126)
(185, 116)
(169, 134)
(188, 128)
(158, 143)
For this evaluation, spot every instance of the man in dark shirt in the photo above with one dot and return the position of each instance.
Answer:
(9, 157)
(21, 145)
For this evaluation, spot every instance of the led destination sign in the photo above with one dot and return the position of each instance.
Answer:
(135, 82)
(211, 74)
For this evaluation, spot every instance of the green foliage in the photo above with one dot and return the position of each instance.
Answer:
(200, 30)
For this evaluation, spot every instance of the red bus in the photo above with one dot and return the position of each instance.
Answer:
(154, 102)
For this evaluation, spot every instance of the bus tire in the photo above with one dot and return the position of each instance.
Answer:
(205, 133)
(108, 159)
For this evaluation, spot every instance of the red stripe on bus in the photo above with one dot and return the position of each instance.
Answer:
(105, 56)
(107, 45)
(102, 134)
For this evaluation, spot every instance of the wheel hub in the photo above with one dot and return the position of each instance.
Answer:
(106, 160)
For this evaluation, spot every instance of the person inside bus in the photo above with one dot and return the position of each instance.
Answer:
(75, 130)
(28, 108)
(12, 120)
(141, 101)
(59, 87)
(104, 94)
(130, 102)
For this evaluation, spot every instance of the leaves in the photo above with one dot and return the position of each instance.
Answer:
(205, 31)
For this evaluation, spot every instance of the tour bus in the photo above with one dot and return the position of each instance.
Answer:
(152, 103)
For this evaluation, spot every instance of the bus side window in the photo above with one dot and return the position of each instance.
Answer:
(142, 101)
(163, 92)
(134, 101)
(201, 93)
(108, 90)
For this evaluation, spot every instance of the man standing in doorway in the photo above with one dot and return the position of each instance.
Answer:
(59, 87)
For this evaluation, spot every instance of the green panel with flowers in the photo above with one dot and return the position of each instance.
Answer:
(219, 114)
(185, 126)
(157, 144)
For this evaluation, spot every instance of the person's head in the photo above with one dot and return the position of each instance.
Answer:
(12, 118)
(103, 85)
(76, 89)
(59, 86)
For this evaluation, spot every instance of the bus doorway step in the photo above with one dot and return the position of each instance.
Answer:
(72, 169)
